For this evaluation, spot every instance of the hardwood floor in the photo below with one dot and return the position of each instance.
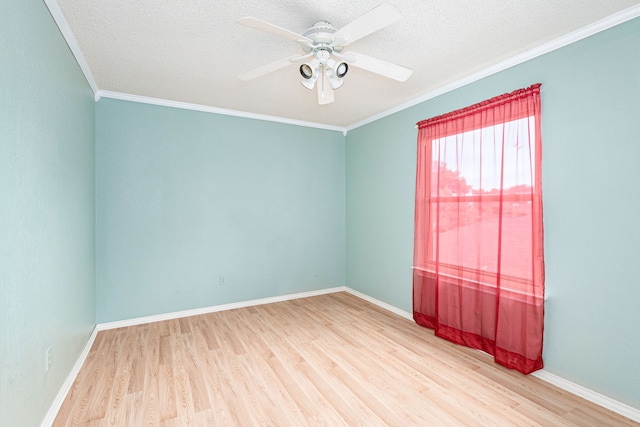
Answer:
(332, 360)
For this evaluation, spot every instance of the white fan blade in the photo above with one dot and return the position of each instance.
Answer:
(378, 66)
(377, 18)
(265, 69)
(258, 24)
(325, 91)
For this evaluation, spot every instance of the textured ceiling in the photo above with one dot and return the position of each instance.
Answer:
(192, 51)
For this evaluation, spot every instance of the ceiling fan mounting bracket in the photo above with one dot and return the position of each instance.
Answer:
(321, 32)
(321, 36)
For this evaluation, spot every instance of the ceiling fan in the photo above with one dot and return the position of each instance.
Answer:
(323, 49)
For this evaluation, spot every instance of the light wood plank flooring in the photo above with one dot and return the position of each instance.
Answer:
(332, 360)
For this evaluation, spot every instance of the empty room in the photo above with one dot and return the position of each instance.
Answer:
(319, 213)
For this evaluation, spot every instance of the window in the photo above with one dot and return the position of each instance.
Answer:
(482, 183)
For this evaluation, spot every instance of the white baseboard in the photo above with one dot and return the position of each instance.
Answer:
(590, 395)
(213, 309)
(68, 383)
(66, 386)
(381, 304)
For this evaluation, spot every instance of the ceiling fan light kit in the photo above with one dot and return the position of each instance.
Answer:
(325, 44)
(323, 64)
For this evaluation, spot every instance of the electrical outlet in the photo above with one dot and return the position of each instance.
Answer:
(47, 359)
(221, 280)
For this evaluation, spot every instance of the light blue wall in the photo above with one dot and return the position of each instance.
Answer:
(184, 197)
(47, 285)
(591, 152)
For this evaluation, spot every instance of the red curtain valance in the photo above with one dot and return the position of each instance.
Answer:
(512, 109)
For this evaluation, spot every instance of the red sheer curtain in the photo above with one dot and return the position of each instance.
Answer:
(478, 276)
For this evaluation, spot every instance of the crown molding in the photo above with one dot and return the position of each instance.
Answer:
(67, 34)
(567, 39)
(589, 30)
(215, 110)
